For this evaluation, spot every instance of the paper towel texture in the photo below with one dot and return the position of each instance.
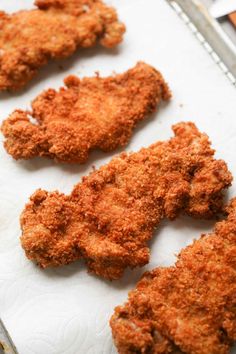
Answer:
(65, 310)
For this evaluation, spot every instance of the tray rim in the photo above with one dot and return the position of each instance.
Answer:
(209, 33)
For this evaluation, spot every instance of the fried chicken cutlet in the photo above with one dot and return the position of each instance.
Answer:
(30, 38)
(111, 215)
(90, 113)
(187, 308)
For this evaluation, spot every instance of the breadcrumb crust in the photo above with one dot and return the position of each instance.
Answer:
(30, 38)
(91, 113)
(110, 216)
(186, 308)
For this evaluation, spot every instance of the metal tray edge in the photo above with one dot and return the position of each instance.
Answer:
(213, 34)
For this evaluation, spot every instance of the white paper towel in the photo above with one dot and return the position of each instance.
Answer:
(65, 310)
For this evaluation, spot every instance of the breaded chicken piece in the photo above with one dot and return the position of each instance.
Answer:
(186, 308)
(109, 217)
(30, 38)
(90, 113)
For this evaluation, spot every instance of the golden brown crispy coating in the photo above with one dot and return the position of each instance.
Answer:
(29, 39)
(109, 217)
(186, 308)
(90, 113)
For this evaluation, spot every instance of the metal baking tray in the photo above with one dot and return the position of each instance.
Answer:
(209, 33)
